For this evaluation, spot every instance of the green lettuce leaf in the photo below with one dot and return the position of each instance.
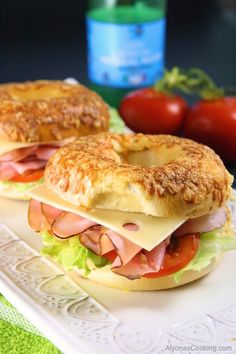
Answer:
(70, 253)
(212, 244)
(117, 125)
(20, 186)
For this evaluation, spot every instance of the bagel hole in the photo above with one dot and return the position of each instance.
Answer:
(144, 158)
(32, 94)
(158, 156)
(130, 226)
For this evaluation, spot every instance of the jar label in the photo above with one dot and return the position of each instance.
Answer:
(125, 55)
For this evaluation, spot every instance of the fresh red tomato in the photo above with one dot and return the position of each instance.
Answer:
(179, 253)
(29, 176)
(110, 256)
(214, 123)
(152, 112)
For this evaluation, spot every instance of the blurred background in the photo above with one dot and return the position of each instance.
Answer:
(47, 39)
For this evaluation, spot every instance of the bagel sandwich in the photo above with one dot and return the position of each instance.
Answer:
(36, 118)
(133, 211)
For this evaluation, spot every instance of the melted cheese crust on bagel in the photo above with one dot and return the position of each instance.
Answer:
(50, 110)
(158, 175)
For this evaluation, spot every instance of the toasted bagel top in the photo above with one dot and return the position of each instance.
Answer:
(154, 174)
(49, 110)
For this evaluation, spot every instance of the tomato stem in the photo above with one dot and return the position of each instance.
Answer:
(193, 81)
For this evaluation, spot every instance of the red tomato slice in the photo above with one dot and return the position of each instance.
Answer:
(179, 253)
(29, 176)
(110, 255)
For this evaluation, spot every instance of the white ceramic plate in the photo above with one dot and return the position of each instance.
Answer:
(79, 316)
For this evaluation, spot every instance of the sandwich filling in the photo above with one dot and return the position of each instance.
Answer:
(75, 241)
(24, 167)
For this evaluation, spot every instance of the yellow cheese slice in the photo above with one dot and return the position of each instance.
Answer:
(7, 146)
(152, 230)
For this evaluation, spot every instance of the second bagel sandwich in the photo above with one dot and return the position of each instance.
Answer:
(36, 118)
(136, 212)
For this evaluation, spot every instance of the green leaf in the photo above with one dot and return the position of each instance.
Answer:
(212, 244)
(193, 81)
(117, 125)
(70, 253)
(22, 187)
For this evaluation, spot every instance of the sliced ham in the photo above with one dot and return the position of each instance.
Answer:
(42, 148)
(125, 249)
(156, 255)
(96, 240)
(69, 224)
(36, 219)
(95, 237)
(18, 154)
(131, 261)
(19, 161)
(29, 158)
(142, 263)
(45, 152)
(101, 241)
(41, 215)
(22, 167)
(50, 212)
(204, 223)
(106, 244)
(6, 172)
(10, 169)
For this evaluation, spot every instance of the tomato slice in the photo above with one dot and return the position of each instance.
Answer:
(110, 256)
(179, 253)
(29, 176)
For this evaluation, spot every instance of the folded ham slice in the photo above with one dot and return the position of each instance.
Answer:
(22, 167)
(204, 223)
(7, 172)
(45, 152)
(50, 213)
(96, 240)
(21, 153)
(142, 263)
(36, 218)
(124, 248)
(18, 154)
(11, 169)
(69, 224)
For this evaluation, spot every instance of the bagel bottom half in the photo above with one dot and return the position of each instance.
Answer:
(107, 277)
(10, 191)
